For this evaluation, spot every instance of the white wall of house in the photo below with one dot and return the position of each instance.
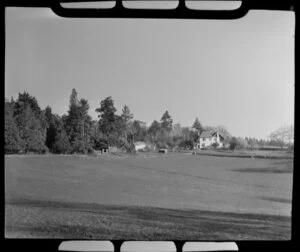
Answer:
(139, 146)
(208, 141)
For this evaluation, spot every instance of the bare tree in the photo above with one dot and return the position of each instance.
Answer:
(283, 135)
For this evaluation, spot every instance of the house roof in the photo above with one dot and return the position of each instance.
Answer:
(209, 133)
(206, 133)
(139, 143)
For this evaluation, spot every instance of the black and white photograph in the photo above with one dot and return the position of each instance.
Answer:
(149, 129)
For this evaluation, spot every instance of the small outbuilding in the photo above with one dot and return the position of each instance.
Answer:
(139, 146)
(163, 150)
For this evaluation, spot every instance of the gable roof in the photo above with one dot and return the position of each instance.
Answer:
(139, 143)
(210, 133)
(207, 133)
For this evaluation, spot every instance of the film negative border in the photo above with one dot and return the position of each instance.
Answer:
(181, 12)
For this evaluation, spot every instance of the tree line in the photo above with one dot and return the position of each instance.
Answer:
(28, 128)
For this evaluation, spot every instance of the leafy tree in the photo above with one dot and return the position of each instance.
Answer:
(125, 125)
(189, 138)
(112, 126)
(24, 101)
(51, 130)
(233, 143)
(224, 132)
(154, 128)
(164, 138)
(198, 126)
(153, 132)
(74, 98)
(61, 143)
(107, 116)
(117, 137)
(130, 148)
(139, 130)
(100, 142)
(57, 140)
(31, 123)
(12, 141)
(290, 135)
(252, 143)
(34, 142)
(186, 144)
(209, 128)
(166, 122)
(73, 120)
(86, 121)
(127, 116)
(177, 135)
(195, 135)
(78, 124)
(215, 145)
(186, 133)
(237, 143)
(80, 146)
(177, 130)
(30, 132)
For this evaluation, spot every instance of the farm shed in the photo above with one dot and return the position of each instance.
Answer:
(139, 146)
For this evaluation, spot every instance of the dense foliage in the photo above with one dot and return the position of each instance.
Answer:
(28, 129)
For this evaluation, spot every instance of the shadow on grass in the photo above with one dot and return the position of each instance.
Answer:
(248, 154)
(279, 167)
(281, 200)
(27, 218)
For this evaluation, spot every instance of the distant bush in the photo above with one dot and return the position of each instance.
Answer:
(34, 143)
(12, 141)
(61, 144)
(100, 143)
(128, 147)
(186, 144)
(291, 147)
(13, 145)
(215, 145)
(275, 148)
(162, 145)
(237, 144)
(79, 147)
(223, 148)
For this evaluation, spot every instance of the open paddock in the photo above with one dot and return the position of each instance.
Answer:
(148, 196)
(270, 154)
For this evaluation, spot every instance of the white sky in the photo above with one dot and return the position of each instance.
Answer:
(238, 73)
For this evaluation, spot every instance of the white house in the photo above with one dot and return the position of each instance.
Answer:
(207, 138)
(139, 145)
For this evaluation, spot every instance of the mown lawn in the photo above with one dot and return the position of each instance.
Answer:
(149, 197)
(266, 154)
(42, 219)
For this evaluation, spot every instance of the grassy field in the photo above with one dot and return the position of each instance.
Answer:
(273, 154)
(148, 196)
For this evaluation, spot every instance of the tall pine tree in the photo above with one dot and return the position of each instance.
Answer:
(198, 126)
(78, 124)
